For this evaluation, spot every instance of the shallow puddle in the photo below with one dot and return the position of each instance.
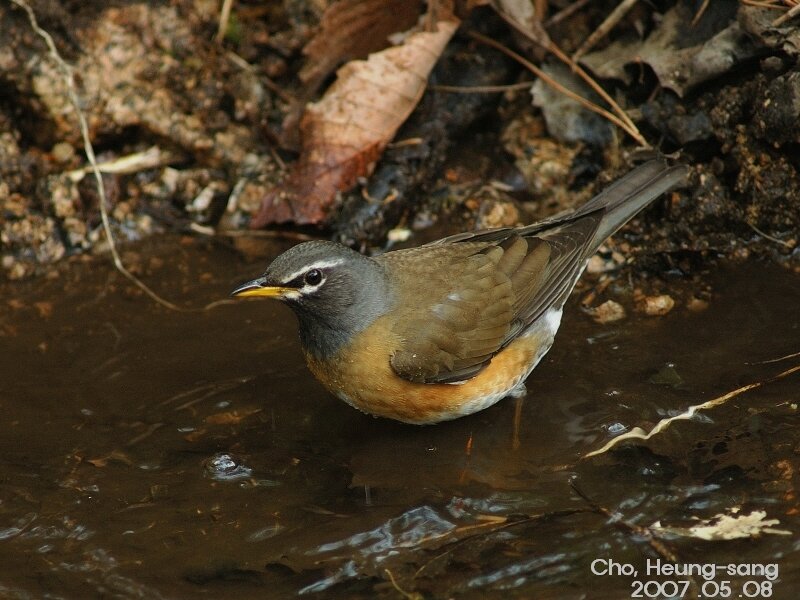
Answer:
(146, 453)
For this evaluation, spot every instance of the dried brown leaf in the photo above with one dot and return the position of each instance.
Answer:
(352, 29)
(231, 417)
(681, 56)
(103, 461)
(346, 131)
(45, 309)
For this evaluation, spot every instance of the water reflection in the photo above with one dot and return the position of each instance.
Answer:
(152, 454)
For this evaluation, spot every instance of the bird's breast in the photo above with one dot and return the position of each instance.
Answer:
(361, 375)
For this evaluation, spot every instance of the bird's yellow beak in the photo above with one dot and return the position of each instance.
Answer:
(259, 289)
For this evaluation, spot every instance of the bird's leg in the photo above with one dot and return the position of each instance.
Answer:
(518, 393)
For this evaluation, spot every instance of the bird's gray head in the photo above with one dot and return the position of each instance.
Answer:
(334, 291)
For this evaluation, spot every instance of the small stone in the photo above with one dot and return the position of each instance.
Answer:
(18, 271)
(608, 312)
(497, 213)
(741, 253)
(63, 152)
(399, 234)
(64, 196)
(656, 306)
(595, 265)
(696, 304)
(121, 211)
(667, 375)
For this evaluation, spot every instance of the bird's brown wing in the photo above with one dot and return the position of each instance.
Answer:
(474, 293)
(471, 299)
(462, 303)
(454, 311)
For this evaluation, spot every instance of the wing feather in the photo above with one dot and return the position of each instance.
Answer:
(464, 298)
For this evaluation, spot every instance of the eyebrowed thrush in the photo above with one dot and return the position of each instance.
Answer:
(443, 330)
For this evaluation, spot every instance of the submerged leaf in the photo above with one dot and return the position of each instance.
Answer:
(727, 527)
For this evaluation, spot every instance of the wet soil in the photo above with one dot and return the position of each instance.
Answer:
(146, 453)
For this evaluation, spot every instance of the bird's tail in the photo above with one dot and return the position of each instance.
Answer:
(622, 200)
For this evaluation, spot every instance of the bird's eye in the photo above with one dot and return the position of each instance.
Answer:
(313, 277)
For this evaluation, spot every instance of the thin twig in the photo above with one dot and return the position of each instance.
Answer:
(607, 25)
(633, 132)
(646, 533)
(774, 360)
(89, 150)
(224, 19)
(617, 520)
(565, 13)
(638, 434)
(494, 528)
(578, 70)
(762, 4)
(769, 237)
(481, 89)
(701, 12)
(789, 14)
(405, 594)
(541, 39)
(132, 163)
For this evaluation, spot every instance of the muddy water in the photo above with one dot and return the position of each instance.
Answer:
(146, 453)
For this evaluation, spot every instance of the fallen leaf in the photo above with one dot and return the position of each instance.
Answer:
(195, 435)
(45, 309)
(521, 14)
(727, 527)
(352, 29)
(231, 417)
(346, 131)
(115, 455)
(759, 22)
(682, 56)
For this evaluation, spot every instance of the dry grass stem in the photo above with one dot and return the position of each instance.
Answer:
(763, 4)
(405, 594)
(132, 163)
(224, 20)
(774, 360)
(610, 22)
(766, 236)
(789, 14)
(632, 131)
(565, 13)
(481, 89)
(700, 12)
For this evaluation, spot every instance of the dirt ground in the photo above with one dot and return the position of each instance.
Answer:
(196, 132)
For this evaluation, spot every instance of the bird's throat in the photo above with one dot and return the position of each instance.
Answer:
(319, 338)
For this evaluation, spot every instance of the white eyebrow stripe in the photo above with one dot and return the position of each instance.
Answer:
(321, 264)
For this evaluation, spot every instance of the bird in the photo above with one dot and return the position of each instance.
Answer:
(443, 330)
